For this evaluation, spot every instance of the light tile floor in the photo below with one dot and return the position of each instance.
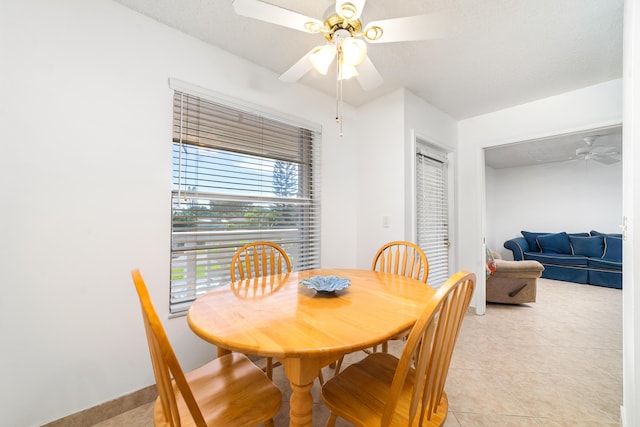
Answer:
(553, 363)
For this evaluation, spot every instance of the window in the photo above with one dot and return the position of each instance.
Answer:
(238, 177)
(432, 211)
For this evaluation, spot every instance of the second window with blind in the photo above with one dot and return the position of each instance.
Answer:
(238, 176)
(432, 217)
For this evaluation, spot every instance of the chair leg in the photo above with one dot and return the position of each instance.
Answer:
(269, 369)
(385, 347)
(338, 366)
(331, 422)
(269, 423)
(320, 377)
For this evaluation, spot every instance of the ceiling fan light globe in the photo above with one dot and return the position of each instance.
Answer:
(354, 51)
(322, 57)
(347, 71)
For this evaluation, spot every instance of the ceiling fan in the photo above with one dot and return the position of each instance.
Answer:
(604, 154)
(345, 37)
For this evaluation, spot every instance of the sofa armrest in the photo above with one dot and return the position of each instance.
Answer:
(518, 246)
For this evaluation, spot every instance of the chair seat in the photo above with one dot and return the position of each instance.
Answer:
(217, 385)
(364, 388)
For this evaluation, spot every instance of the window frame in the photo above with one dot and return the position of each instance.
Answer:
(289, 218)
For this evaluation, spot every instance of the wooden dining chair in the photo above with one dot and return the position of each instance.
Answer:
(384, 391)
(228, 391)
(402, 258)
(258, 259)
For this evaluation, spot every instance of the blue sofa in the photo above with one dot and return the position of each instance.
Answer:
(592, 258)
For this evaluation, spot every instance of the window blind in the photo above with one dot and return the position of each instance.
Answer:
(238, 177)
(432, 214)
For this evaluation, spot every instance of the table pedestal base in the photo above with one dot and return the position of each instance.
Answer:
(301, 374)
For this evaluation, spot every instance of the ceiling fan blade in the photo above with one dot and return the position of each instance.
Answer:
(276, 15)
(297, 70)
(605, 160)
(368, 76)
(602, 149)
(419, 27)
(351, 8)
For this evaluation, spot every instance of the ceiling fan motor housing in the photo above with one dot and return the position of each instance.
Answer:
(335, 23)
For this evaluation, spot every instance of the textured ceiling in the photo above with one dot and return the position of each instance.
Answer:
(495, 53)
(561, 148)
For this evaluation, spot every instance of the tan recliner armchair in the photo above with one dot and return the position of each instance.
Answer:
(513, 282)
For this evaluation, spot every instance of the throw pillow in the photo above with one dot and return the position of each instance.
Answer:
(491, 263)
(612, 248)
(579, 234)
(597, 233)
(531, 240)
(587, 246)
(557, 243)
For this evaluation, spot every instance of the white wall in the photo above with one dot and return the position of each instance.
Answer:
(385, 165)
(380, 180)
(427, 121)
(86, 172)
(577, 196)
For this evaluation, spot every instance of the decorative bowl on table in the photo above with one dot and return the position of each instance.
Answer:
(326, 285)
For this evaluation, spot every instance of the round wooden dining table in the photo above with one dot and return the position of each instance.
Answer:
(275, 316)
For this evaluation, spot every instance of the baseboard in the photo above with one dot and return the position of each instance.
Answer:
(107, 410)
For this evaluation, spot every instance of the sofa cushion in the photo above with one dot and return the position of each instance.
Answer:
(612, 248)
(557, 259)
(530, 237)
(604, 264)
(587, 246)
(566, 273)
(597, 233)
(557, 243)
(579, 234)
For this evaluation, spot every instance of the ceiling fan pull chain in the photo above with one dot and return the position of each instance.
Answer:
(339, 89)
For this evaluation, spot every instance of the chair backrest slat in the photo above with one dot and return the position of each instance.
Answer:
(429, 347)
(402, 258)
